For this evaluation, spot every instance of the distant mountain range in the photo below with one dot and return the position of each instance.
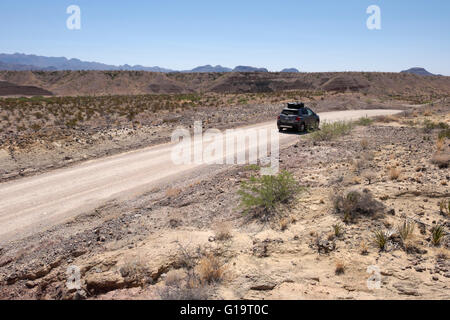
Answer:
(290, 70)
(420, 72)
(18, 61)
(209, 68)
(22, 62)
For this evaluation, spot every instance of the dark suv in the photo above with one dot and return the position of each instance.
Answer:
(299, 117)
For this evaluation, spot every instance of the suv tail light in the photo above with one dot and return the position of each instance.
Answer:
(298, 119)
(279, 117)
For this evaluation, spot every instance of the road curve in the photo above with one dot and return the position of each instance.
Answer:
(36, 203)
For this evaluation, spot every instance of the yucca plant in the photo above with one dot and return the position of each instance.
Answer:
(444, 207)
(406, 229)
(338, 230)
(437, 234)
(380, 239)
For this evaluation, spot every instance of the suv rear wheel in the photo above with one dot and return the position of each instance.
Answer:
(302, 127)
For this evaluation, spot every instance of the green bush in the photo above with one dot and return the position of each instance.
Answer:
(365, 121)
(262, 195)
(430, 126)
(445, 133)
(330, 131)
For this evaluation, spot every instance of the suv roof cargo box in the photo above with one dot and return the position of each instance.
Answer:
(296, 105)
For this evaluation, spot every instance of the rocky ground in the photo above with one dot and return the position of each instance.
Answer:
(192, 240)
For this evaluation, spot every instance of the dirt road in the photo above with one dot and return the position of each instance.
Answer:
(33, 204)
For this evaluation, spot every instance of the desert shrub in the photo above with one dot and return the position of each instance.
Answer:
(354, 203)
(380, 239)
(405, 230)
(210, 269)
(364, 121)
(135, 272)
(369, 175)
(262, 194)
(173, 277)
(364, 143)
(394, 173)
(437, 234)
(330, 131)
(445, 133)
(442, 160)
(340, 268)
(284, 223)
(430, 125)
(180, 287)
(222, 231)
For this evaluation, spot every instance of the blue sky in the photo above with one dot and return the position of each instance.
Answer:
(320, 35)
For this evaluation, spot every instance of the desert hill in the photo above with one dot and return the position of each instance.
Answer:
(418, 71)
(75, 83)
(10, 89)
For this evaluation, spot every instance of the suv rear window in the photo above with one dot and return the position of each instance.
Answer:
(289, 112)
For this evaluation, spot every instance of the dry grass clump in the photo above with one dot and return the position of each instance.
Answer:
(135, 272)
(364, 143)
(181, 286)
(284, 223)
(210, 269)
(387, 119)
(394, 173)
(353, 204)
(440, 159)
(222, 231)
(193, 281)
(359, 164)
(172, 192)
(173, 277)
(369, 175)
(364, 248)
(340, 267)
